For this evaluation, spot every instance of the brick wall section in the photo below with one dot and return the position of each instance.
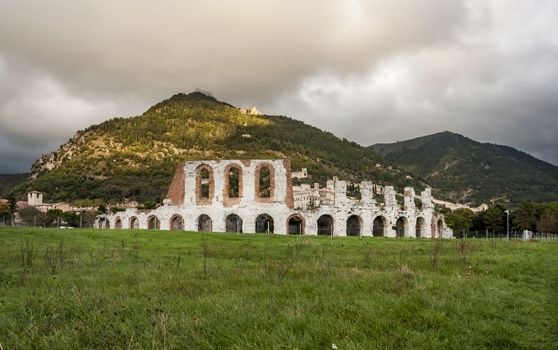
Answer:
(228, 202)
(289, 199)
(176, 189)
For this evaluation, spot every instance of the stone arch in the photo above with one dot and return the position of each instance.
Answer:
(401, 227)
(379, 226)
(295, 225)
(354, 224)
(204, 184)
(205, 224)
(265, 182)
(264, 224)
(233, 184)
(233, 223)
(153, 223)
(176, 223)
(325, 225)
(118, 223)
(420, 227)
(134, 222)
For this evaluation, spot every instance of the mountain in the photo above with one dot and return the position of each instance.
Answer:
(10, 181)
(470, 171)
(135, 157)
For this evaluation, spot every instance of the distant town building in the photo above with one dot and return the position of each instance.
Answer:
(35, 199)
(302, 174)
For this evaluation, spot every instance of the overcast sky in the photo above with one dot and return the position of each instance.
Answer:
(371, 71)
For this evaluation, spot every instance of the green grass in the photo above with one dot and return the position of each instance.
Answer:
(146, 289)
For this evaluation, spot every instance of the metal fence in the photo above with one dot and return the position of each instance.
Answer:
(536, 236)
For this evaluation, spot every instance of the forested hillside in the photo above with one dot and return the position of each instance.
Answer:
(471, 171)
(9, 181)
(134, 158)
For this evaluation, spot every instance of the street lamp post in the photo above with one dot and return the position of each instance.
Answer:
(508, 223)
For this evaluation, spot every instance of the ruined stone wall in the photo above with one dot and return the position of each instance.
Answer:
(343, 216)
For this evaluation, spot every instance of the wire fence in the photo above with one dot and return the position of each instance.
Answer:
(523, 235)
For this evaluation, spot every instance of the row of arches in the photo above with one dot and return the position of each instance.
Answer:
(233, 182)
(295, 225)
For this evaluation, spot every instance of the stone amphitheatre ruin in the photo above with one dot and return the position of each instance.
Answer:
(257, 196)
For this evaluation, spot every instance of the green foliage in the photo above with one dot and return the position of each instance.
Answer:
(494, 217)
(353, 191)
(31, 216)
(548, 217)
(12, 203)
(148, 205)
(5, 214)
(459, 219)
(524, 217)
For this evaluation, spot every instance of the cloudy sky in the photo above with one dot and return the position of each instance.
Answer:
(372, 71)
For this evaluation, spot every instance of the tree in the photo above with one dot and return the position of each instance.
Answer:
(5, 214)
(493, 217)
(31, 216)
(548, 222)
(12, 204)
(459, 219)
(70, 218)
(548, 217)
(524, 216)
(53, 216)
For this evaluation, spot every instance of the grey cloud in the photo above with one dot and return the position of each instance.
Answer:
(371, 71)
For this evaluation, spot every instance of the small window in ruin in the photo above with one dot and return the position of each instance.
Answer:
(204, 183)
(234, 183)
(265, 183)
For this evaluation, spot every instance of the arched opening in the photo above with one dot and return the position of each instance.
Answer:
(233, 223)
(153, 223)
(295, 224)
(420, 230)
(204, 183)
(118, 224)
(353, 225)
(204, 223)
(233, 182)
(440, 227)
(378, 226)
(325, 225)
(134, 222)
(107, 224)
(264, 224)
(401, 227)
(264, 183)
(177, 223)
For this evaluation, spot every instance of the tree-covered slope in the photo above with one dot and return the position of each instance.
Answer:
(465, 169)
(135, 158)
(9, 181)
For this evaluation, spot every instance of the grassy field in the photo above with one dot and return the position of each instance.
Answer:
(151, 289)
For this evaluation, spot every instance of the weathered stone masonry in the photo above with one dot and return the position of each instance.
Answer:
(257, 196)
